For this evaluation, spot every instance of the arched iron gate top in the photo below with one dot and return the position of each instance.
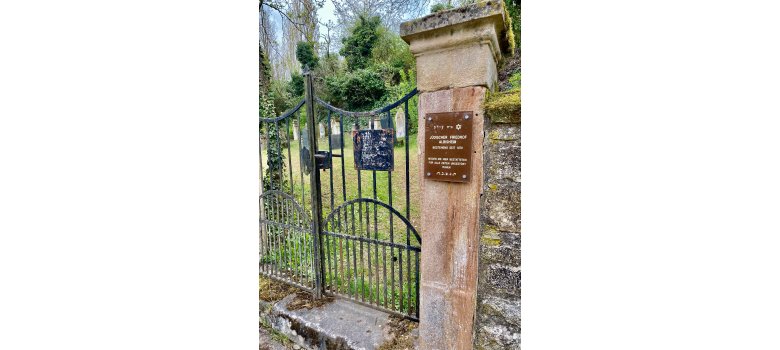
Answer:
(372, 113)
(284, 115)
(338, 209)
(302, 213)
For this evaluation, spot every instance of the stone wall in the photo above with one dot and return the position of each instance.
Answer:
(497, 324)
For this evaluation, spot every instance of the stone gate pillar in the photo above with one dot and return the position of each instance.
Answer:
(456, 52)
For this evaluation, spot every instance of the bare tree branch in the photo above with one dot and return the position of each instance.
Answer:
(277, 8)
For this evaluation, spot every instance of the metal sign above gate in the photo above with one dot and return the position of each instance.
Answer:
(374, 150)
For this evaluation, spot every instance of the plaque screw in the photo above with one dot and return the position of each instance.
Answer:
(464, 176)
(429, 118)
(429, 174)
(466, 117)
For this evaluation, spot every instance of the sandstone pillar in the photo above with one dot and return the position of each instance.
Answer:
(456, 52)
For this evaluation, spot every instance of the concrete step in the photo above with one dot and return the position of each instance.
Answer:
(336, 324)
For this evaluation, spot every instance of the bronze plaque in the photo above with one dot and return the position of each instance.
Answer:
(448, 146)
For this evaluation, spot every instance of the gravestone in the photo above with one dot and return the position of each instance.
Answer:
(335, 133)
(322, 130)
(305, 152)
(400, 126)
(296, 130)
(376, 123)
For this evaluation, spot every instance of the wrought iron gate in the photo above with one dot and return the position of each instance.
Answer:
(343, 235)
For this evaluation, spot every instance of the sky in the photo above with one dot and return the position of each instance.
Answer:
(325, 14)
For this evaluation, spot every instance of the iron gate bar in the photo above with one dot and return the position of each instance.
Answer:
(316, 205)
(285, 115)
(408, 215)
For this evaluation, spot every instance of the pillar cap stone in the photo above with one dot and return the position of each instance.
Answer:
(459, 47)
(482, 12)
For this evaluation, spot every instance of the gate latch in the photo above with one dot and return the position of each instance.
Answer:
(323, 159)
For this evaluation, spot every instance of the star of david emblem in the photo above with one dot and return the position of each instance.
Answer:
(457, 126)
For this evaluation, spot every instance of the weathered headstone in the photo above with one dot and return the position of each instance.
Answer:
(335, 133)
(305, 152)
(400, 125)
(322, 130)
(296, 130)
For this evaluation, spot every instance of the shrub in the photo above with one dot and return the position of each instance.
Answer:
(357, 46)
(391, 55)
(360, 90)
(295, 86)
(304, 51)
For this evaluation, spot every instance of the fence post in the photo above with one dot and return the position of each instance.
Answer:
(316, 204)
(456, 54)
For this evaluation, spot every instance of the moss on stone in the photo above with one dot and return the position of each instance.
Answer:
(510, 34)
(490, 236)
(492, 187)
(493, 242)
(495, 136)
(504, 107)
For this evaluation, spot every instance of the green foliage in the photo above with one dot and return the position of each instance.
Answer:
(295, 86)
(441, 7)
(280, 96)
(514, 80)
(390, 55)
(304, 51)
(357, 46)
(265, 71)
(272, 179)
(407, 82)
(513, 11)
(359, 90)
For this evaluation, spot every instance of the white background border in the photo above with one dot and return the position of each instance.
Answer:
(128, 189)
